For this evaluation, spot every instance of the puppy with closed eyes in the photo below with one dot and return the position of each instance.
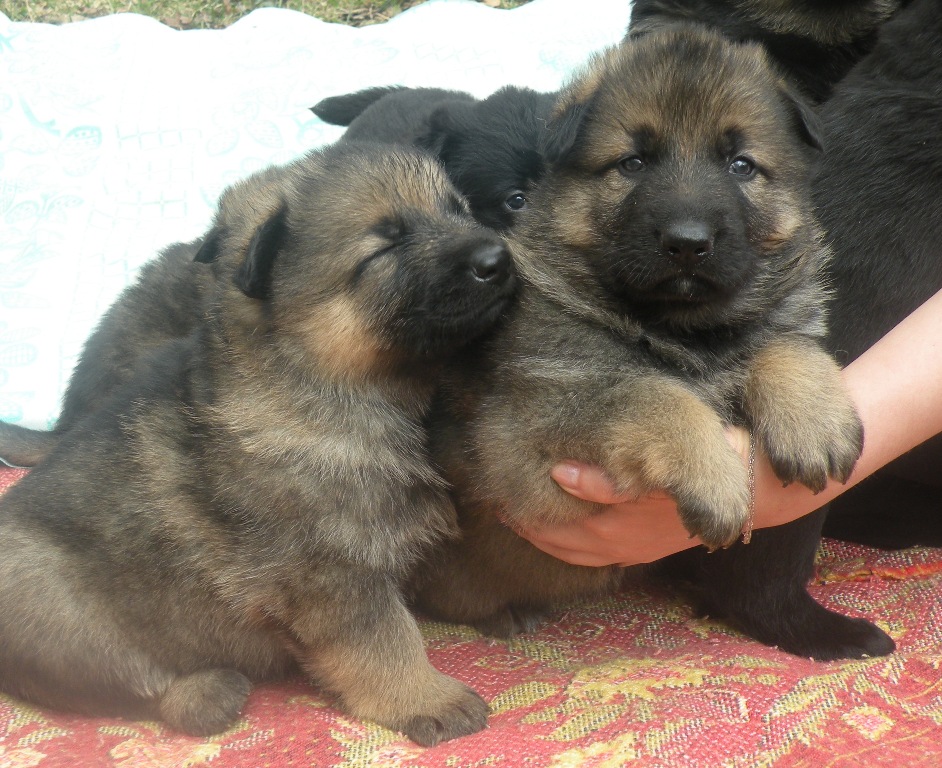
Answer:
(248, 503)
(489, 149)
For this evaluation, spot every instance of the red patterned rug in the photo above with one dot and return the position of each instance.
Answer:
(631, 679)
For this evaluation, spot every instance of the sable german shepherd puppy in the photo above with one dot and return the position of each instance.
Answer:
(671, 270)
(489, 147)
(815, 43)
(247, 504)
(489, 150)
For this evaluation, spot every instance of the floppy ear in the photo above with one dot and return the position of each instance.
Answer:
(804, 119)
(444, 122)
(209, 249)
(253, 277)
(562, 130)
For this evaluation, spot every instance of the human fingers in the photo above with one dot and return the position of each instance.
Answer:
(587, 482)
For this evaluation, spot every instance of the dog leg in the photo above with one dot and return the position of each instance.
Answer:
(670, 439)
(801, 414)
(204, 702)
(760, 589)
(61, 647)
(375, 661)
(501, 584)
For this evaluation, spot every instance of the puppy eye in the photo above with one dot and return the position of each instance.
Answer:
(516, 202)
(630, 164)
(364, 264)
(742, 166)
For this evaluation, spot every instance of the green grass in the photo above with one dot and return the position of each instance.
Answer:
(208, 14)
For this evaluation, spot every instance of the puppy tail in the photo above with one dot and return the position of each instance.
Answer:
(342, 110)
(23, 447)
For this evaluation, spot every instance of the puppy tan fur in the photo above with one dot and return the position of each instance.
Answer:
(247, 504)
(672, 286)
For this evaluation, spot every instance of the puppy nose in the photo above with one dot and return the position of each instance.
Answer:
(687, 242)
(490, 263)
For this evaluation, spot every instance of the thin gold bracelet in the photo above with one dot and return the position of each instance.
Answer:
(750, 520)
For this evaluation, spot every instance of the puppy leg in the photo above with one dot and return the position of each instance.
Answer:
(501, 584)
(63, 647)
(375, 661)
(760, 589)
(668, 438)
(801, 414)
(205, 702)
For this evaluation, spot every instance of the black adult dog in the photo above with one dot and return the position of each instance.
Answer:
(878, 194)
(815, 43)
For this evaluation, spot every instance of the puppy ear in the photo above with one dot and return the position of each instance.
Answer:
(253, 277)
(572, 106)
(343, 110)
(444, 123)
(562, 131)
(806, 122)
(209, 249)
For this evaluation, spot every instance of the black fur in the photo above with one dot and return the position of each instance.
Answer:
(879, 197)
(489, 147)
(815, 43)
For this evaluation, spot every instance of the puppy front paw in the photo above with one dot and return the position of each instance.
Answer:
(801, 414)
(812, 452)
(462, 713)
(714, 505)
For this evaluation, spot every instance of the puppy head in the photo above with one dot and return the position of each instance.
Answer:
(367, 258)
(489, 149)
(680, 174)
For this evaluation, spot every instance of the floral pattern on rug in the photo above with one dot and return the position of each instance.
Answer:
(635, 678)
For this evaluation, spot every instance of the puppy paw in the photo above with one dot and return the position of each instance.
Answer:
(718, 513)
(205, 703)
(462, 713)
(824, 635)
(669, 438)
(815, 450)
(712, 493)
(511, 621)
(801, 414)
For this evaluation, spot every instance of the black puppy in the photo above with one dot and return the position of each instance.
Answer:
(815, 43)
(488, 146)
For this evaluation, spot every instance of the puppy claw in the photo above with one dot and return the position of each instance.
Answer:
(467, 715)
(718, 524)
(512, 621)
